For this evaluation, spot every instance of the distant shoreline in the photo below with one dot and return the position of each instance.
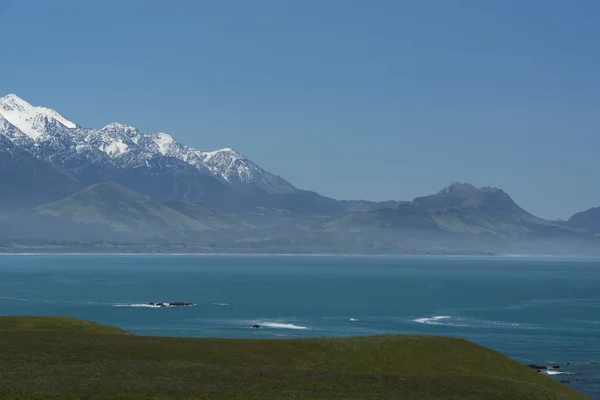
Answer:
(547, 257)
(41, 253)
(507, 256)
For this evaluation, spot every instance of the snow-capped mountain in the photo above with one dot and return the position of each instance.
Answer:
(35, 122)
(49, 136)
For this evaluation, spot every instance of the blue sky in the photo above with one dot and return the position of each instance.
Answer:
(353, 99)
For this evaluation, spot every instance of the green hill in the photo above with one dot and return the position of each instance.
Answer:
(56, 324)
(458, 208)
(38, 363)
(123, 210)
(198, 212)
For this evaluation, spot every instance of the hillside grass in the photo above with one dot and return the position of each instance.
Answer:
(122, 209)
(63, 358)
(56, 324)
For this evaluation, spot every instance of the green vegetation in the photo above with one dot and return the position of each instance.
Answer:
(123, 210)
(56, 324)
(37, 363)
(198, 212)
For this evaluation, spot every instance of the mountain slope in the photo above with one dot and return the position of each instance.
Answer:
(113, 206)
(27, 181)
(588, 220)
(156, 164)
(458, 208)
(207, 216)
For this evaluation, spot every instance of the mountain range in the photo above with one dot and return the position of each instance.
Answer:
(63, 181)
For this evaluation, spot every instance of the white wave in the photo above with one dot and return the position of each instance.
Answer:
(13, 298)
(446, 320)
(223, 304)
(554, 372)
(280, 325)
(137, 305)
(433, 320)
(354, 320)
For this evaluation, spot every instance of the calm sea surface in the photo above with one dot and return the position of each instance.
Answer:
(542, 310)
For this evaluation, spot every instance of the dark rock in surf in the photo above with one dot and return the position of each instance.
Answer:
(538, 367)
(172, 304)
(180, 304)
(556, 366)
(256, 326)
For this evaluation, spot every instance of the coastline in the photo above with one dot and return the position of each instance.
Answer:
(548, 257)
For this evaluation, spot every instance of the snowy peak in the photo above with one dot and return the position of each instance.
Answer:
(54, 115)
(230, 165)
(165, 143)
(49, 136)
(233, 168)
(116, 138)
(33, 121)
(117, 127)
(228, 151)
(14, 103)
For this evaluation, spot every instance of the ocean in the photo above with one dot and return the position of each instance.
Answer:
(541, 310)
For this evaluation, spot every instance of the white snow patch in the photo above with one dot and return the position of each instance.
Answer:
(115, 148)
(56, 116)
(164, 142)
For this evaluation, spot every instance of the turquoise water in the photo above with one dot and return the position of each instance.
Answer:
(536, 310)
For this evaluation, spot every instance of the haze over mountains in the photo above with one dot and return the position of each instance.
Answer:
(61, 181)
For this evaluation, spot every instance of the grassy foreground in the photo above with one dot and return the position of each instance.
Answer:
(64, 358)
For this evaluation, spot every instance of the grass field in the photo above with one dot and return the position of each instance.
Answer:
(64, 358)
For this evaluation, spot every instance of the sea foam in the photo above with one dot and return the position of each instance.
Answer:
(280, 325)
